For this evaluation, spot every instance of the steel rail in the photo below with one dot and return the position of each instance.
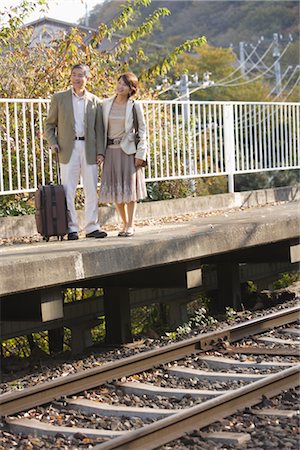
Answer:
(11, 403)
(250, 350)
(199, 416)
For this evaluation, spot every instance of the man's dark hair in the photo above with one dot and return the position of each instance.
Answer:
(83, 67)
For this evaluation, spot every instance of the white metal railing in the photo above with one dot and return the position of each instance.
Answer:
(186, 140)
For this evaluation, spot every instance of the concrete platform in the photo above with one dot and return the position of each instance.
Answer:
(42, 265)
(264, 229)
(19, 226)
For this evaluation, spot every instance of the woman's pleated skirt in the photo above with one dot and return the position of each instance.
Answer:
(121, 181)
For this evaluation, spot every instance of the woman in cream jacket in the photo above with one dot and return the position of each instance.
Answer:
(123, 179)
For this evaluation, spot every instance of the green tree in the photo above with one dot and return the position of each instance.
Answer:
(38, 70)
(12, 18)
(221, 63)
(32, 71)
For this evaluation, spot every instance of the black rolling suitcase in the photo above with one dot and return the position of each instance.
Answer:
(51, 209)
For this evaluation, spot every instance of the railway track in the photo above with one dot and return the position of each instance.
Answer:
(207, 378)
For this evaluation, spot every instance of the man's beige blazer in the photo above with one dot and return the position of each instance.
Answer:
(60, 126)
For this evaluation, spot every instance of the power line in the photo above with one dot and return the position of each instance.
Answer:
(184, 85)
(237, 69)
(283, 76)
(259, 76)
(257, 55)
(288, 81)
(258, 62)
(293, 87)
(255, 115)
(255, 65)
(251, 69)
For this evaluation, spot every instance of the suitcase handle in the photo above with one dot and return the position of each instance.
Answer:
(58, 174)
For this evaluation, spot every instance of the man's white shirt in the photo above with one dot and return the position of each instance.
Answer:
(79, 110)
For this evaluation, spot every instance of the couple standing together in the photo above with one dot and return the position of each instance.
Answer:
(86, 133)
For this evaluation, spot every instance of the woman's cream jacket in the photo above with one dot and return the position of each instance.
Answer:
(128, 141)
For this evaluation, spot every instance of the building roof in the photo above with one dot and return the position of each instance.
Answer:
(46, 29)
(59, 23)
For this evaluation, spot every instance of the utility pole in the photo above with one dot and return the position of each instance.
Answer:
(86, 18)
(277, 68)
(242, 58)
(182, 87)
(185, 94)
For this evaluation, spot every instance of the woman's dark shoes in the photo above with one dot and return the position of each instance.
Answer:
(96, 234)
(72, 236)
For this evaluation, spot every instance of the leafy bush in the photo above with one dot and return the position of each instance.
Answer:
(16, 205)
(200, 319)
(286, 280)
(167, 190)
(231, 314)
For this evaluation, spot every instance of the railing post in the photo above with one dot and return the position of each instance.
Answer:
(229, 145)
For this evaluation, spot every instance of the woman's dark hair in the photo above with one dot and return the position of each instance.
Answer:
(131, 81)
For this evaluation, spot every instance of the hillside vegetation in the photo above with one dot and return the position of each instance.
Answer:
(222, 22)
(225, 24)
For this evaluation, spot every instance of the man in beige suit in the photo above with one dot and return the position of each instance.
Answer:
(74, 128)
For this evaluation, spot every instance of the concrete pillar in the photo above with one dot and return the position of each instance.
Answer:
(117, 315)
(229, 289)
(40, 305)
(177, 314)
(56, 340)
(81, 338)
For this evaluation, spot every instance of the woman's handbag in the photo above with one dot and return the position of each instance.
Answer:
(136, 131)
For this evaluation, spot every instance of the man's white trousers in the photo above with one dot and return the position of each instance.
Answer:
(70, 176)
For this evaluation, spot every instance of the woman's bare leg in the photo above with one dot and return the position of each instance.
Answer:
(120, 207)
(131, 210)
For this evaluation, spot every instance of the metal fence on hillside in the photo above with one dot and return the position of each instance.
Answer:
(186, 140)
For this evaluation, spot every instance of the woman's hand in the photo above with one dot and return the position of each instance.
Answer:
(100, 160)
(54, 148)
(138, 162)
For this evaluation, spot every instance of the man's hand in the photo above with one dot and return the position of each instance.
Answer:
(54, 148)
(100, 160)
